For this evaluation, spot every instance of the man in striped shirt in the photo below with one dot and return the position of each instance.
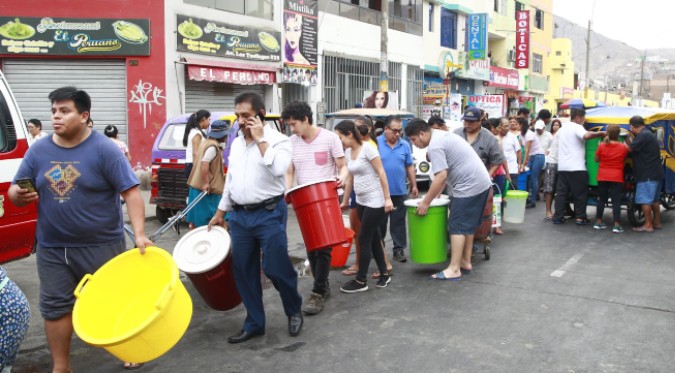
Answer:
(317, 155)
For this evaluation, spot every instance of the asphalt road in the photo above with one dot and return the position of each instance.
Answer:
(551, 299)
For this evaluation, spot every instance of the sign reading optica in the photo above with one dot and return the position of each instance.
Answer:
(492, 104)
(218, 39)
(522, 39)
(477, 36)
(74, 36)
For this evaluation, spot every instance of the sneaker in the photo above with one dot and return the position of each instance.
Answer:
(617, 229)
(582, 221)
(354, 286)
(383, 281)
(314, 304)
(399, 256)
(599, 226)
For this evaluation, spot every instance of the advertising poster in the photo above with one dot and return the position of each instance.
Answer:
(380, 100)
(492, 104)
(477, 37)
(212, 38)
(74, 36)
(300, 43)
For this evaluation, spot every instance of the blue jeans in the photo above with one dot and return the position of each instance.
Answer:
(536, 163)
(253, 232)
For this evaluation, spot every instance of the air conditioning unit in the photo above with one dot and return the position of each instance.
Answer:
(512, 55)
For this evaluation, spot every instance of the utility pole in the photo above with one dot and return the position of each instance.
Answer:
(384, 68)
(642, 75)
(588, 58)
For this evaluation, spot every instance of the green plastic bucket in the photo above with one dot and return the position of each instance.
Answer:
(514, 207)
(429, 233)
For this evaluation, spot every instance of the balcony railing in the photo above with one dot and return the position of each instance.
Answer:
(370, 16)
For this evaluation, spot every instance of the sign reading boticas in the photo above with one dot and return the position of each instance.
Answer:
(522, 39)
(75, 36)
(202, 36)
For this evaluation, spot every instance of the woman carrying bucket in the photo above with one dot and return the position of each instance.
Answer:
(366, 175)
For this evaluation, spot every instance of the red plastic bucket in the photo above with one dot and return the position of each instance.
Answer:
(206, 259)
(317, 208)
(340, 253)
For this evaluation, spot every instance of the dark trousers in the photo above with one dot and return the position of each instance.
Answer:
(397, 223)
(514, 182)
(253, 232)
(575, 183)
(369, 240)
(613, 190)
(319, 263)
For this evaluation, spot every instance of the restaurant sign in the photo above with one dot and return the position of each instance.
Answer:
(212, 38)
(74, 36)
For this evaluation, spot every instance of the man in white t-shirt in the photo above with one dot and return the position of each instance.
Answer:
(317, 155)
(572, 175)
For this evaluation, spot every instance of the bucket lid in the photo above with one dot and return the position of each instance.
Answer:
(434, 202)
(200, 250)
(308, 184)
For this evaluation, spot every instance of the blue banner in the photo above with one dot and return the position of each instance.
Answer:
(477, 36)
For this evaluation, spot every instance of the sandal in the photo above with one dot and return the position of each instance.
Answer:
(132, 366)
(350, 271)
(376, 274)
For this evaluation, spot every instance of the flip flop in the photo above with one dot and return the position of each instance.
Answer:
(350, 272)
(133, 366)
(642, 230)
(659, 227)
(441, 276)
(548, 217)
(376, 274)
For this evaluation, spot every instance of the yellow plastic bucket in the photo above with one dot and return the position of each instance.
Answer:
(134, 306)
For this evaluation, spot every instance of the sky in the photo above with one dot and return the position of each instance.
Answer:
(643, 24)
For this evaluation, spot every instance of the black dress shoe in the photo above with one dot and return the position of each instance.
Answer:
(295, 324)
(244, 336)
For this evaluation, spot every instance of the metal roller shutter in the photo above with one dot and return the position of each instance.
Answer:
(215, 96)
(104, 80)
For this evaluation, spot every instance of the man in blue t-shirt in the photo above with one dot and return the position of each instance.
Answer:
(396, 156)
(79, 175)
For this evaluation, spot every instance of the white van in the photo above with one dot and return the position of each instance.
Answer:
(17, 225)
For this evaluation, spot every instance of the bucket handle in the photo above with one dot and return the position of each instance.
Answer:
(165, 297)
(78, 289)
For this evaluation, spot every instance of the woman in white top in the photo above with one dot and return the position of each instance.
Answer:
(193, 136)
(366, 175)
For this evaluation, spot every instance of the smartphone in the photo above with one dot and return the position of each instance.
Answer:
(27, 184)
(261, 117)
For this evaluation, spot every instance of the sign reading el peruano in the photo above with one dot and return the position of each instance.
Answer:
(522, 39)
(230, 75)
(212, 38)
(74, 36)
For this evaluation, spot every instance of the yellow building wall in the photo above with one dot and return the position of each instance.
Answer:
(561, 73)
(541, 40)
(499, 25)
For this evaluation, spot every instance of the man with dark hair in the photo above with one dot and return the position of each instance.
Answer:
(79, 175)
(523, 112)
(572, 174)
(35, 129)
(455, 163)
(396, 155)
(254, 196)
(648, 172)
(317, 155)
(437, 123)
(545, 115)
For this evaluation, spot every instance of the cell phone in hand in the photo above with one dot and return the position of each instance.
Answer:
(27, 184)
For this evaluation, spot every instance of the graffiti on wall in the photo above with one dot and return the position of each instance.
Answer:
(145, 95)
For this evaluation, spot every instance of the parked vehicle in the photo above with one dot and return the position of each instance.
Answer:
(17, 225)
(379, 116)
(168, 183)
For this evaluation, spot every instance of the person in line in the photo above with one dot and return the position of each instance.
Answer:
(551, 170)
(365, 126)
(481, 140)
(610, 155)
(254, 195)
(648, 173)
(317, 155)
(501, 176)
(523, 112)
(193, 135)
(437, 123)
(35, 129)
(511, 148)
(535, 159)
(396, 156)
(514, 129)
(14, 321)
(377, 100)
(367, 178)
(455, 163)
(208, 176)
(111, 132)
(79, 175)
(572, 175)
(545, 116)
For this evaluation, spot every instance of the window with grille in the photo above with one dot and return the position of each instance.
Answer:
(256, 8)
(539, 19)
(448, 29)
(537, 63)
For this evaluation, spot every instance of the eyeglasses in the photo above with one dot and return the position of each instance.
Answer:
(395, 130)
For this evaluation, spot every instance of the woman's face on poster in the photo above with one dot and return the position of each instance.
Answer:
(380, 100)
(293, 31)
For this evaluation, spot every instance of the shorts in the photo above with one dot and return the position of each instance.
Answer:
(466, 214)
(60, 270)
(550, 177)
(647, 192)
